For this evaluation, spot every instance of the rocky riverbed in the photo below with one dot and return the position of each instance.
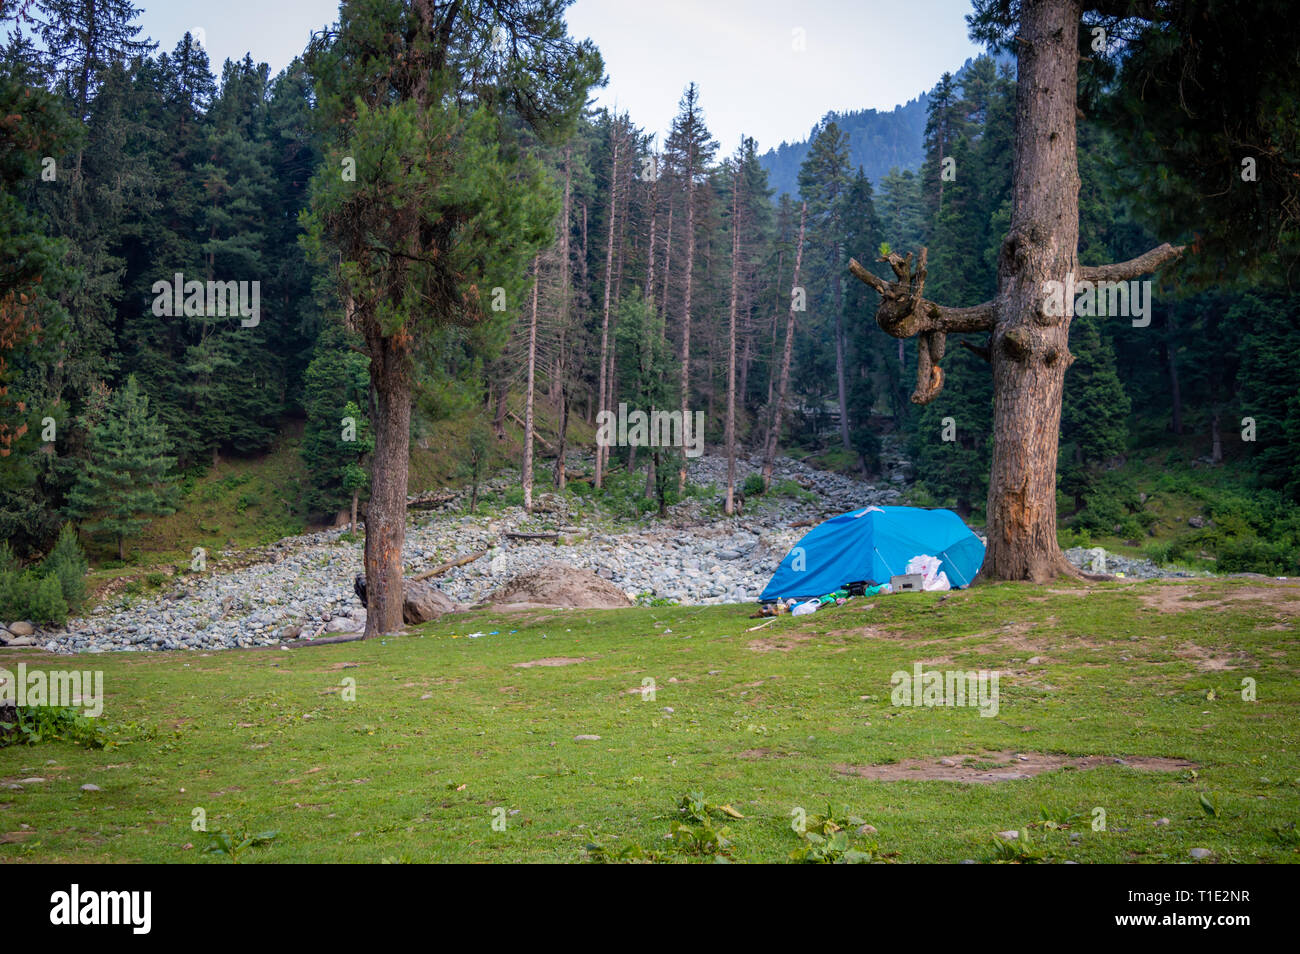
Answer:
(303, 586)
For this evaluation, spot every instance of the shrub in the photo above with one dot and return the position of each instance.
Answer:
(47, 602)
(753, 485)
(67, 563)
(1252, 555)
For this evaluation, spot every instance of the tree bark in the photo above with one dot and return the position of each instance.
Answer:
(778, 412)
(390, 384)
(1029, 350)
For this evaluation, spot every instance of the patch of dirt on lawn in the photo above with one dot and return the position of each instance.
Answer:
(1207, 661)
(782, 643)
(1188, 598)
(750, 754)
(1006, 766)
(551, 661)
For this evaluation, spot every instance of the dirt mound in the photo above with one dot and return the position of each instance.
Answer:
(559, 585)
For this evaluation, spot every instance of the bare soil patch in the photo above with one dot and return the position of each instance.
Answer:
(1190, 598)
(1007, 766)
(551, 661)
(781, 643)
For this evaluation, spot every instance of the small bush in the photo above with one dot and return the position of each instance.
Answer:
(48, 724)
(1252, 555)
(753, 485)
(67, 563)
(48, 604)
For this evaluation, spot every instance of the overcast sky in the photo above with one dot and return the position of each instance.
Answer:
(745, 54)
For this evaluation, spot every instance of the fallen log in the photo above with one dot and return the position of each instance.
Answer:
(427, 502)
(512, 535)
(536, 436)
(443, 568)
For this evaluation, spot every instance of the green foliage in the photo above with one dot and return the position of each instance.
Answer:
(48, 593)
(67, 563)
(36, 724)
(825, 839)
(127, 478)
(233, 845)
(335, 388)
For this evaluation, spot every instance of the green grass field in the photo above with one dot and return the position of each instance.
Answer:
(446, 728)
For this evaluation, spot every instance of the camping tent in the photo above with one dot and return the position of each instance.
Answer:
(875, 544)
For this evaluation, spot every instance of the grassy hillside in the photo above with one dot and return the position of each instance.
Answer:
(478, 718)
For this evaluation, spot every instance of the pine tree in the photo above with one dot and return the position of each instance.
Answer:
(689, 149)
(336, 379)
(824, 179)
(126, 479)
(1094, 411)
(427, 112)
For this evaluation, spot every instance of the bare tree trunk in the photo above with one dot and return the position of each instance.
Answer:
(729, 506)
(1029, 350)
(528, 390)
(352, 526)
(840, 379)
(604, 325)
(390, 385)
(650, 252)
(668, 261)
(686, 314)
(1216, 439)
(566, 301)
(778, 410)
(560, 476)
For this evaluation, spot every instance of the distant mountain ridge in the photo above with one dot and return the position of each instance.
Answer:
(878, 140)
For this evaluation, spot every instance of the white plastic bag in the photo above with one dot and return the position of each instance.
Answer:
(932, 578)
(803, 609)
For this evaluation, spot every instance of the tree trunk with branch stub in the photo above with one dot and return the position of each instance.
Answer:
(1028, 347)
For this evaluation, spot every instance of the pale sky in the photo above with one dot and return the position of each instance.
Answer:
(742, 53)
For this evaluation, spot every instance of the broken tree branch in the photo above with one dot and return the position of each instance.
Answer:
(904, 313)
(1144, 264)
(439, 570)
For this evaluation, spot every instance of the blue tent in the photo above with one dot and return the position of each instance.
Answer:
(875, 544)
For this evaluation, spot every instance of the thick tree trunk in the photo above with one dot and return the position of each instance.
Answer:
(390, 383)
(778, 410)
(527, 469)
(1030, 349)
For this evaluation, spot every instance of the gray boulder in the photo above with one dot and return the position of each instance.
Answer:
(423, 602)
